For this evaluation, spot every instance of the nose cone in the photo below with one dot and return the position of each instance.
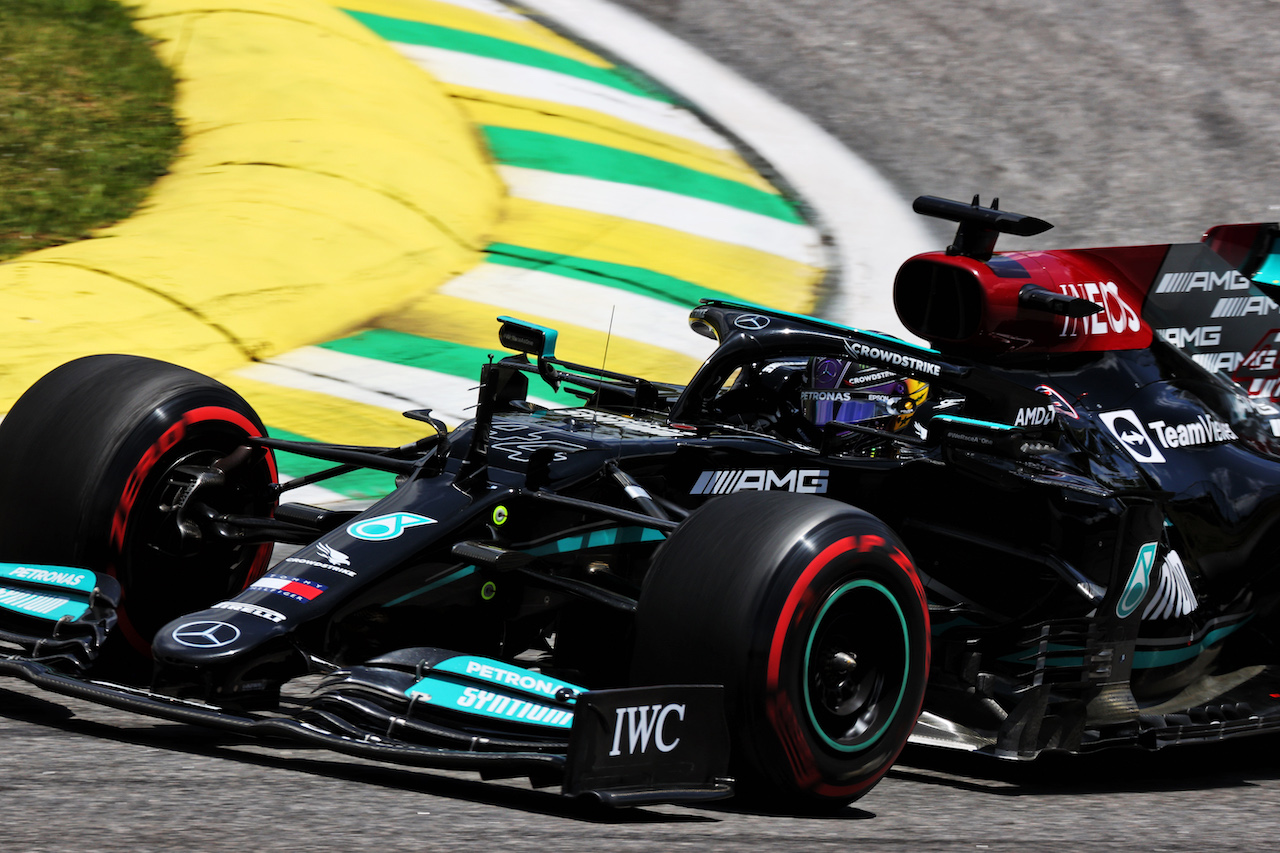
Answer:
(213, 636)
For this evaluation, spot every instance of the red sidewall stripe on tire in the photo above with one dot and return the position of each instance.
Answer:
(793, 601)
(138, 476)
(778, 708)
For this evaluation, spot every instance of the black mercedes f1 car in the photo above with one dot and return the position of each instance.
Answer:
(1056, 527)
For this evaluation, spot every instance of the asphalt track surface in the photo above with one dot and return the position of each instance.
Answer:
(80, 777)
(1121, 123)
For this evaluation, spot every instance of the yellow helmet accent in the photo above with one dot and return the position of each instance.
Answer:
(917, 393)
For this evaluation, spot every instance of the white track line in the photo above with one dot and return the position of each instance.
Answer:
(874, 228)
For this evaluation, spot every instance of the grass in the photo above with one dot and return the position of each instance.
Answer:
(86, 120)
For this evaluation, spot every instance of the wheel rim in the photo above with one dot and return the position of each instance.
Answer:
(163, 576)
(856, 665)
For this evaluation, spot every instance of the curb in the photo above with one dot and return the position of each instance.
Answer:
(297, 208)
(341, 229)
(873, 227)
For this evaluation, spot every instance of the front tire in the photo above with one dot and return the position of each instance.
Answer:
(811, 614)
(93, 459)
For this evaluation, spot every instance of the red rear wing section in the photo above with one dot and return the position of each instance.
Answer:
(958, 302)
(1193, 295)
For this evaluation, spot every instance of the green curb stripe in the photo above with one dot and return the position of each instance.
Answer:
(532, 150)
(415, 351)
(447, 38)
(358, 484)
(439, 356)
(638, 280)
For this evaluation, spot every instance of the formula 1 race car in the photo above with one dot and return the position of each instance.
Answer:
(1054, 528)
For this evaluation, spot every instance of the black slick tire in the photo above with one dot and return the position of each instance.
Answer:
(811, 614)
(91, 459)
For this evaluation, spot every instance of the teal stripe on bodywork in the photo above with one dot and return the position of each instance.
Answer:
(1141, 660)
(530, 149)
(1029, 655)
(1168, 657)
(494, 705)
(1269, 272)
(43, 604)
(507, 676)
(46, 592)
(972, 422)
(565, 545)
(632, 279)
(447, 38)
(81, 580)
(598, 539)
(461, 573)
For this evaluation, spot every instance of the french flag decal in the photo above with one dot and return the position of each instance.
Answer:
(295, 588)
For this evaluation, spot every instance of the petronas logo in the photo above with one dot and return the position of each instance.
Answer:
(1139, 580)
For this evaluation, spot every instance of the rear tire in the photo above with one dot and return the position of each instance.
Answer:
(811, 615)
(90, 460)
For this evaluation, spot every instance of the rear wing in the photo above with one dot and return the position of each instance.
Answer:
(1253, 249)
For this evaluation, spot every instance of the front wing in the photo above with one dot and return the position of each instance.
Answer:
(636, 746)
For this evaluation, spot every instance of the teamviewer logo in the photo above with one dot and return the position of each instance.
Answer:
(1128, 429)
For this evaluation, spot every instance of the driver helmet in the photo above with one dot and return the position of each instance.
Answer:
(836, 389)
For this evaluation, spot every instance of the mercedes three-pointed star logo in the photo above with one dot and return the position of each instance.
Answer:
(754, 322)
(206, 634)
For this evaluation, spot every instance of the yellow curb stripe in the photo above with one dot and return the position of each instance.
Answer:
(466, 96)
(42, 326)
(475, 324)
(748, 274)
(311, 414)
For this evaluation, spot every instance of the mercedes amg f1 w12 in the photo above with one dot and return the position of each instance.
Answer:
(1055, 527)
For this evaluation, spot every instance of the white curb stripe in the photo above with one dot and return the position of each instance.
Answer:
(872, 223)
(355, 389)
(696, 216)
(569, 300)
(372, 382)
(488, 7)
(526, 81)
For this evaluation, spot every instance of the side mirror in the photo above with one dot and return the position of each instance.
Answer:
(529, 338)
